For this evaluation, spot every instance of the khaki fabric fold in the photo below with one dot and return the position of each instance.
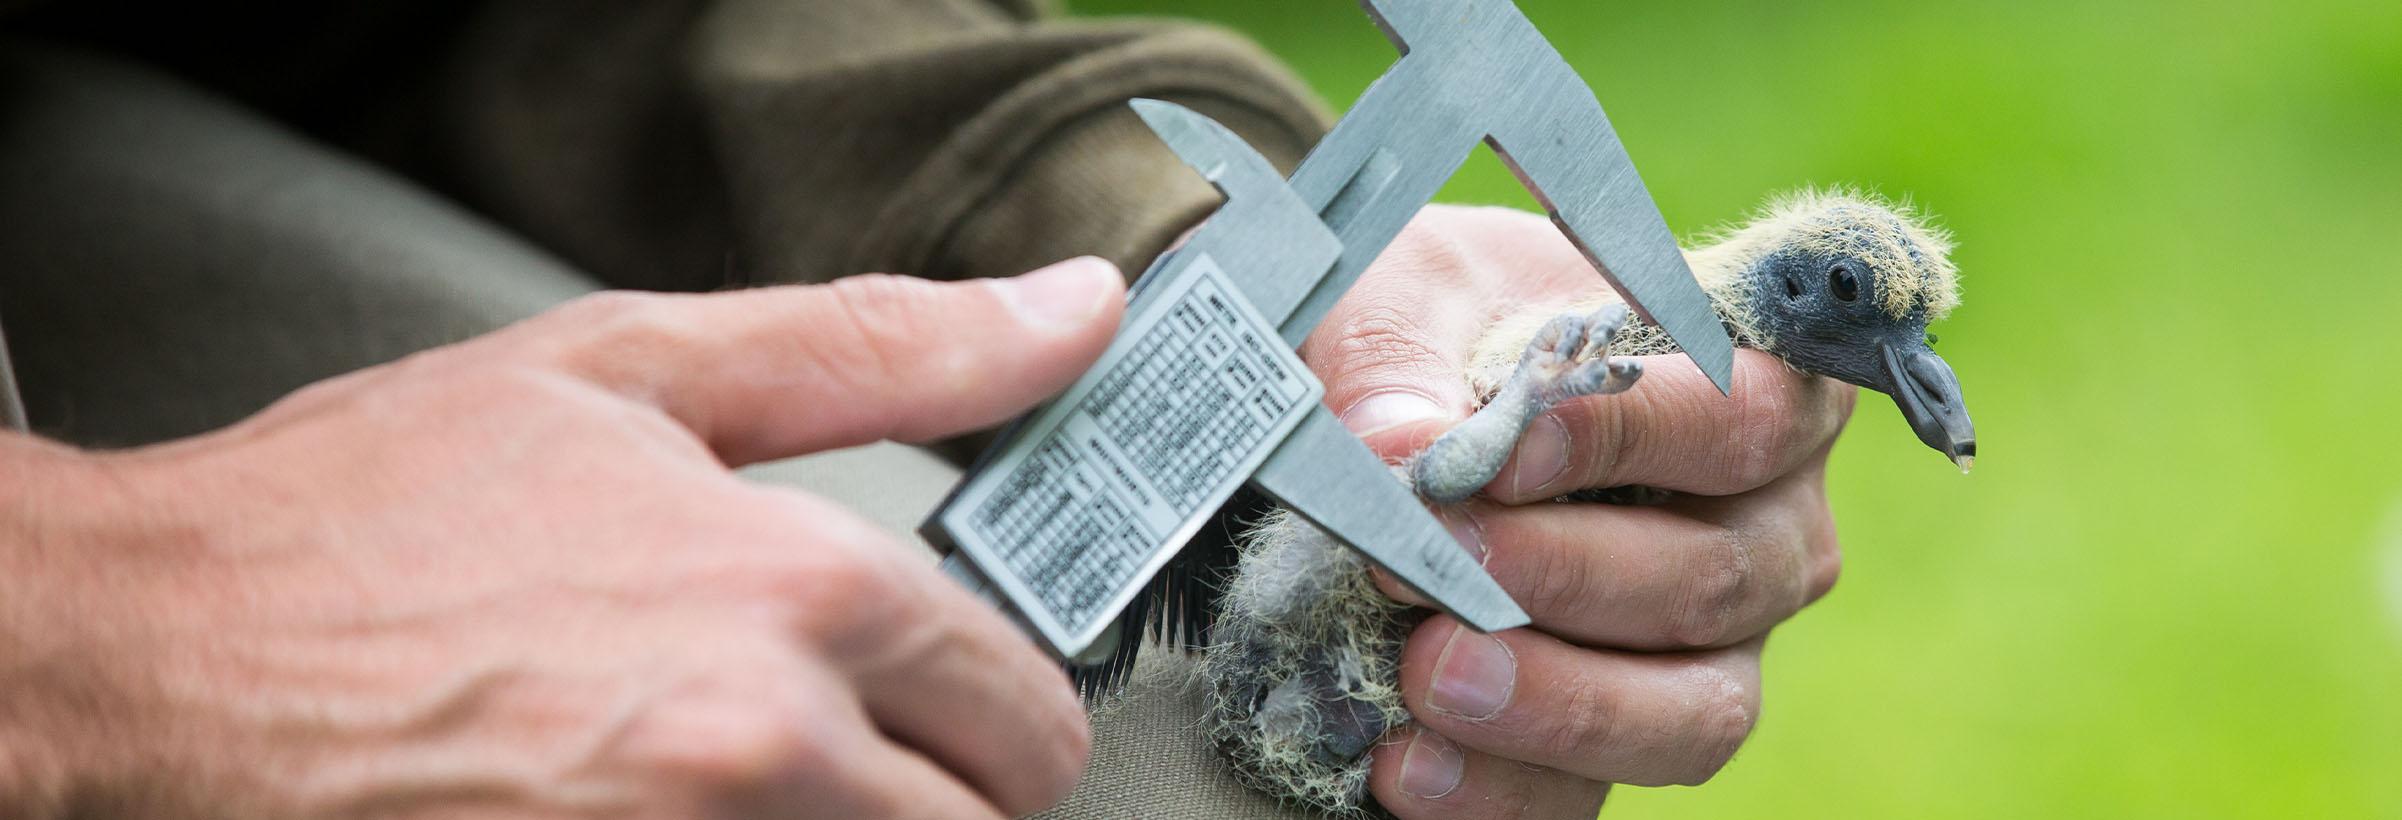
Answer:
(800, 141)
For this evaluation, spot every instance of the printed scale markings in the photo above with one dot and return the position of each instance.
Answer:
(1471, 71)
(1156, 439)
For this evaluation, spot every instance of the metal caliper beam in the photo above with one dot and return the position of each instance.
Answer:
(1477, 70)
(1320, 471)
(1086, 499)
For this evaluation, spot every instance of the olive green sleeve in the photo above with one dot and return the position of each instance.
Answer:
(680, 146)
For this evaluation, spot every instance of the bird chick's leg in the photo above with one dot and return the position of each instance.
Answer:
(1304, 675)
(1569, 357)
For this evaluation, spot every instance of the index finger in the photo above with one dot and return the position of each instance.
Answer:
(1675, 431)
(789, 370)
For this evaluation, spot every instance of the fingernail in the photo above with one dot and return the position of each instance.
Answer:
(1399, 591)
(1386, 409)
(1473, 676)
(1542, 456)
(1064, 295)
(1432, 766)
(1467, 531)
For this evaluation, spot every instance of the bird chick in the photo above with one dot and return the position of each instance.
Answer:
(1302, 673)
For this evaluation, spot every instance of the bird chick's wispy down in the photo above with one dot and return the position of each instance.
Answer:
(1909, 256)
(1303, 656)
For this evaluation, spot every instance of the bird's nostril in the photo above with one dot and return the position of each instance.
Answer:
(1932, 379)
(1931, 389)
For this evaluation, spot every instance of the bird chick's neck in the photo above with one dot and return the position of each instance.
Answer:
(1721, 268)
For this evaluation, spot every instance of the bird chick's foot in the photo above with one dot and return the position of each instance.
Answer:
(1568, 358)
(1303, 674)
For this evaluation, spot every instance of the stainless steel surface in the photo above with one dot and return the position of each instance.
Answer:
(1091, 496)
(1042, 518)
(1269, 243)
(1477, 70)
(1325, 474)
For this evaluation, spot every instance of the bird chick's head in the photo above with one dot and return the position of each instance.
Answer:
(1841, 284)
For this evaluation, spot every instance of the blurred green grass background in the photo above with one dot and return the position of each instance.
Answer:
(2173, 588)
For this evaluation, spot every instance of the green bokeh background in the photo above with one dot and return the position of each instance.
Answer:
(2173, 587)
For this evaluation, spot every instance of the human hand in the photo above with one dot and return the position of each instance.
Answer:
(1648, 620)
(514, 578)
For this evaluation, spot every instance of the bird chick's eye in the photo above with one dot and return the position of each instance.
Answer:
(1847, 286)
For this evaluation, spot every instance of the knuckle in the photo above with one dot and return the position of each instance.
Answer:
(717, 743)
(1378, 335)
(845, 586)
(1067, 767)
(877, 301)
(764, 750)
(1077, 751)
(1718, 577)
(555, 400)
(611, 328)
(1727, 714)
(1428, 248)
(620, 317)
(1075, 741)
(338, 390)
(1621, 441)
(881, 324)
(603, 305)
(1375, 325)
(1826, 567)
(1764, 443)
(841, 596)
(1562, 584)
(1780, 424)
(1581, 729)
(865, 312)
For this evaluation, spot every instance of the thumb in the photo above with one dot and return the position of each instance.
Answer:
(778, 372)
(1394, 364)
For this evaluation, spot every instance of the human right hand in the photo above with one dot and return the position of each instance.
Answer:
(515, 578)
(1642, 664)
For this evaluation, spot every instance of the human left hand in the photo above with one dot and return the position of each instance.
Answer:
(1642, 665)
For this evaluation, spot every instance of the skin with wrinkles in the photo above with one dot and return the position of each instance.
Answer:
(1303, 676)
(516, 578)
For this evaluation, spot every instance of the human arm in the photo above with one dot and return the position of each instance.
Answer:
(514, 578)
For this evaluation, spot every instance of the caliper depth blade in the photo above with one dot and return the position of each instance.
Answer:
(1571, 160)
(1328, 476)
(1478, 70)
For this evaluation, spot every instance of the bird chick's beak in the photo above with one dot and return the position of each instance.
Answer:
(1929, 395)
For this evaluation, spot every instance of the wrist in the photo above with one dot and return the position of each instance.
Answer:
(60, 516)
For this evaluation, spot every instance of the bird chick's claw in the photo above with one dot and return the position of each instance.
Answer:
(1569, 357)
(1596, 378)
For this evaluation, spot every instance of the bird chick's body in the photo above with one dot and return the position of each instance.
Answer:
(1303, 669)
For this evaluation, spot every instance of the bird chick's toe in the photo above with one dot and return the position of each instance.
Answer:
(1568, 358)
(1577, 363)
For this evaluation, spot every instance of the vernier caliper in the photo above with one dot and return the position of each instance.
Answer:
(1084, 500)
